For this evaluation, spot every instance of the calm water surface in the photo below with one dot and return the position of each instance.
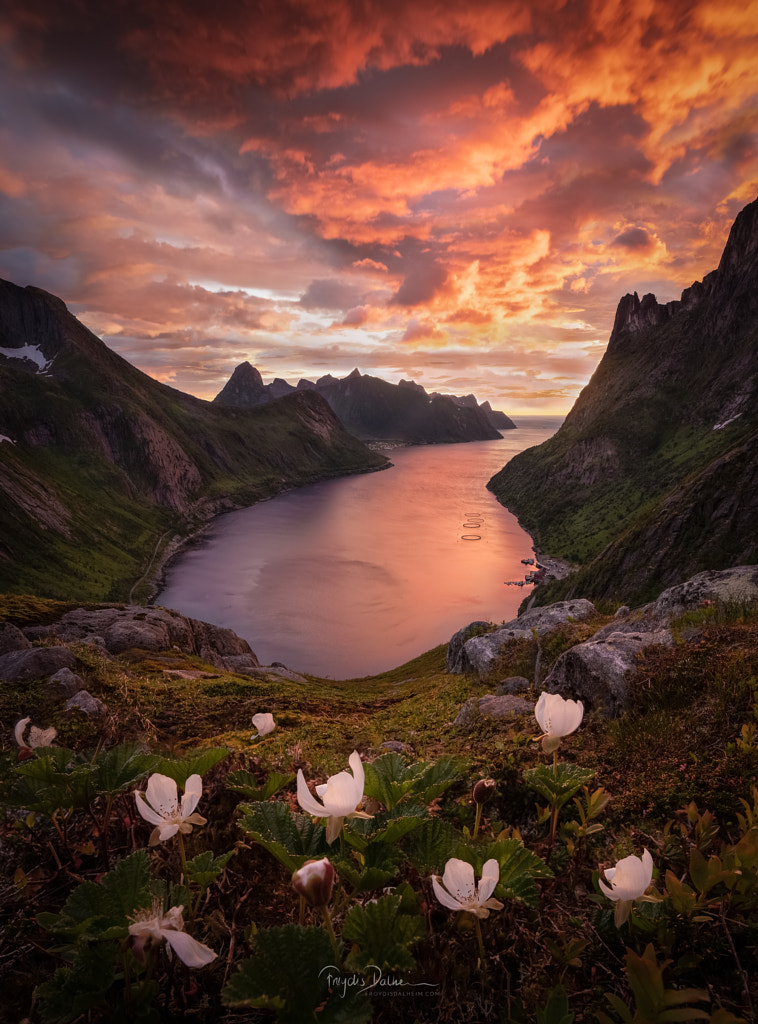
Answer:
(358, 575)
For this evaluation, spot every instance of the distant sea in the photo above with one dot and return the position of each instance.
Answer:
(358, 575)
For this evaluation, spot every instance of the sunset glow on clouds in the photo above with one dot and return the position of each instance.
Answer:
(457, 193)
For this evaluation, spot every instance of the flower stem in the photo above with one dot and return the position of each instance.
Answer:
(301, 916)
(555, 763)
(183, 855)
(482, 953)
(478, 820)
(330, 930)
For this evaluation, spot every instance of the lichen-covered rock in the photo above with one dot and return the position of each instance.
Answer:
(492, 706)
(457, 640)
(90, 706)
(11, 638)
(738, 585)
(513, 684)
(597, 672)
(552, 615)
(64, 683)
(482, 654)
(21, 666)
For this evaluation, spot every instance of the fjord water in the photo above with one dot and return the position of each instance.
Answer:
(358, 575)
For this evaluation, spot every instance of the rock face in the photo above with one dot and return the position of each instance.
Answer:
(653, 476)
(143, 452)
(738, 585)
(149, 629)
(597, 672)
(481, 653)
(492, 706)
(373, 409)
(21, 666)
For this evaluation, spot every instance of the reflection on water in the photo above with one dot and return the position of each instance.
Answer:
(358, 575)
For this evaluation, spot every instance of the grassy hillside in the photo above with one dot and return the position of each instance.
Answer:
(679, 768)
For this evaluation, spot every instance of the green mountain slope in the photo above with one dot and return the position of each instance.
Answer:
(652, 476)
(98, 461)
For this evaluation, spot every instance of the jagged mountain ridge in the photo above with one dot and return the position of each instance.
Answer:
(373, 409)
(99, 460)
(653, 475)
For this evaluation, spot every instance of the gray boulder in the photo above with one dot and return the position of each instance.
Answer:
(543, 620)
(482, 654)
(492, 706)
(597, 672)
(513, 684)
(457, 640)
(739, 584)
(21, 666)
(88, 705)
(64, 683)
(11, 638)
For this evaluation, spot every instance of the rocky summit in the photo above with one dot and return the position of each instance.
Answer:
(373, 409)
(653, 476)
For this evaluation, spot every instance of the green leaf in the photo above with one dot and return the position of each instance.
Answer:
(205, 868)
(247, 784)
(519, 868)
(116, 769)
(74, 990)
(383, 933)
(291, 838)
(292, 971)
(556, 1008)
(196, 764)
(560, 786)
(431, 845)
(58, 781)
(391, 780)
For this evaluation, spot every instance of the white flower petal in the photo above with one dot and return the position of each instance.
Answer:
(333, 827)
(306, 799)
(360, 778)
(19, 729)
(167, 829)
(458, 879)
(41, 737)
(162, 795)
(264, 723)
(193, 790)
(189, 950)
(444, 896)
(146, 810)
(340, 796)
(540, 712)
(490, 878)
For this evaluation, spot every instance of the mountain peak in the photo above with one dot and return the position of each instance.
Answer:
(244, 388)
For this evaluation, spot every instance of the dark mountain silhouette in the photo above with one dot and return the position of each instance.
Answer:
(653, 475)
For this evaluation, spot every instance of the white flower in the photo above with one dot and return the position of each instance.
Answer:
(457, 890)
(557, 717)
(629, 880)
(341, 797)
(37, 737)
(160, 806)
(264, 723)
(154, 925)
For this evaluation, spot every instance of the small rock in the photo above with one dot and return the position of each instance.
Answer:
(84, 701)
(11, 638)
(65, 683)
(395, 746)
(513, 684)
(492, 706)
(20, 666)
(622, 611)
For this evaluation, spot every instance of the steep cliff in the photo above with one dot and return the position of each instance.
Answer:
(98, 460)
(652, 476)
(373, 409)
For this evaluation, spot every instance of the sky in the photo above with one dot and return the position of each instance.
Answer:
(457, 193)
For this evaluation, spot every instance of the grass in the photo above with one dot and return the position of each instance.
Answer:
(678, 744)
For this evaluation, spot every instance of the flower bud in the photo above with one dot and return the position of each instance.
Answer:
(315, 881)
(483, 790)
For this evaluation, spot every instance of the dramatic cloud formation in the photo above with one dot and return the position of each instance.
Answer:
(443, 190)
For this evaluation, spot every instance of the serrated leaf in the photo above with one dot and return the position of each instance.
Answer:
(519, 869)
(558, 787)
(120, 767)
(391, 780)
(383, 933)
(247, 784)
(363, 879)
(431, 845)
(195, 764)
(292, 970)
(291, 838)
(205, 868)
(74, 990)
